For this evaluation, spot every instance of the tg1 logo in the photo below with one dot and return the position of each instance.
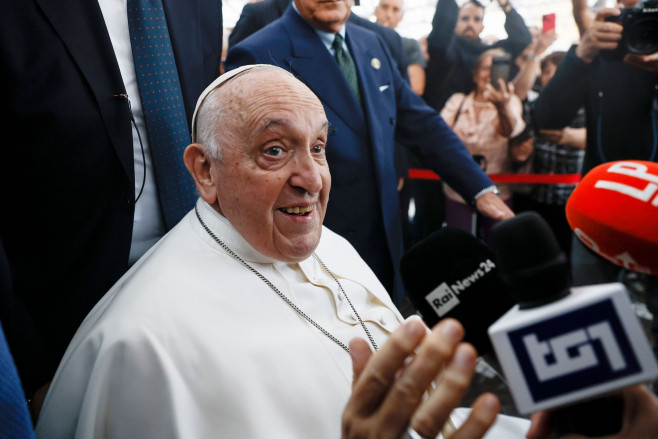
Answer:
(573, 351)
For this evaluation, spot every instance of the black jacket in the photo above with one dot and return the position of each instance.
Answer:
(452, 59)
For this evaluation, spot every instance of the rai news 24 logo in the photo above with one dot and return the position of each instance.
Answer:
(574, 351)
(445, 297)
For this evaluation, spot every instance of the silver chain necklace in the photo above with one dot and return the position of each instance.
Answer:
(284, 297)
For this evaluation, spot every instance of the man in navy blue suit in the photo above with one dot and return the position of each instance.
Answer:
(257, 15)
(364, 201)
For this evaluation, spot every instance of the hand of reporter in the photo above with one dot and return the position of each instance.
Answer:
(640, 417)
(415, 380)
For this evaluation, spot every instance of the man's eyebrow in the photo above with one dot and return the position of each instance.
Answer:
(324, 127)
(273, 122)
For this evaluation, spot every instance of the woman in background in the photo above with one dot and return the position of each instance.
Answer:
(484, 120)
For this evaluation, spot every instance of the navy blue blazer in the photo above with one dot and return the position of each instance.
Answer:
(67, 171)
(255, 16)
(363, 203)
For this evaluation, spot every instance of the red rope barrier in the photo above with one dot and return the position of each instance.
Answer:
(426, 174)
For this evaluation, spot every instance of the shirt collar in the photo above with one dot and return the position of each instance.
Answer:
(327, 38)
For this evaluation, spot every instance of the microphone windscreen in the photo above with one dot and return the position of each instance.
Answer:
(451, 273)
(614, 212)
(531, 264)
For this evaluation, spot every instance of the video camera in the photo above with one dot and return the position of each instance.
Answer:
(640, 35)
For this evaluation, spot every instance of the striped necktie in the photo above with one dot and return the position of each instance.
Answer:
(346, 64)
(164, 110)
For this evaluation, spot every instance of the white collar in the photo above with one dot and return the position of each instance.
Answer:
(224, 230)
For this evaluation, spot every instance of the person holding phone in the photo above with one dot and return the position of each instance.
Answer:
(454, 45)
(485, 120)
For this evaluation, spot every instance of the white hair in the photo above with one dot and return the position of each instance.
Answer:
(211, 119)
(211, 110)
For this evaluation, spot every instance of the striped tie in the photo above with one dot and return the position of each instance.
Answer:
(346, 65)
(164, 111)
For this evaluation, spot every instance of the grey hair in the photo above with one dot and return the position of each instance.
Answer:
(210, 120)
(212, 109)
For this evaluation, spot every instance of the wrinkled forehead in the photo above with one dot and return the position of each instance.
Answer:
(257, 102)
(263, 95)
(239, 87)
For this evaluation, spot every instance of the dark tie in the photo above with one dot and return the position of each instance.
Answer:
(164, 111)
(346, 65)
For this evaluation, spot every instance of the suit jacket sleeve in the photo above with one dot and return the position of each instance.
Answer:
(443, 25)
(564, 95)
(441, 50)
(424, 131)
(519, 35)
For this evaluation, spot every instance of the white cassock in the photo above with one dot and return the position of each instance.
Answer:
(191, 344)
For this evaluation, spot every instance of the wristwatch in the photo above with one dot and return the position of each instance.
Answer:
(493, 189)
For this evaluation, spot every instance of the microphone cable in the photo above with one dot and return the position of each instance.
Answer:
(139, 138)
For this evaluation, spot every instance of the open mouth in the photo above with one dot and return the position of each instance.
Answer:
(297, 210)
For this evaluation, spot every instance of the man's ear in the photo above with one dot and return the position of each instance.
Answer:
(199, 166)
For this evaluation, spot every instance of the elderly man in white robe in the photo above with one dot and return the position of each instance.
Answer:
(250, 319)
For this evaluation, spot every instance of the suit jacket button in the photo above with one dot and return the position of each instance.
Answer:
(129, 203)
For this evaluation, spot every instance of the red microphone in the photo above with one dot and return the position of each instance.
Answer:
(614, 212)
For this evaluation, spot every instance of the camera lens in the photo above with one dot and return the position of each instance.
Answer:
(642, 35)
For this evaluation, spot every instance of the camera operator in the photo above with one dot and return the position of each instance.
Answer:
(620, 94)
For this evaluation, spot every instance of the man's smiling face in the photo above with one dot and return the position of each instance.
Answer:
(272, 180)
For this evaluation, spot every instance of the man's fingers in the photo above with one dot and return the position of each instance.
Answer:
(493, 206)
(360, 353)
(406, 394)
(510, 88)
(607, 12)
(648, 63)
(539, 426)
(379, 372)
(430, 417)
(482, 416)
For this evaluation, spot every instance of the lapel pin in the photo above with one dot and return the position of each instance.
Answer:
(375, 63)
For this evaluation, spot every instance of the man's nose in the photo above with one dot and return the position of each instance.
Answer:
(306, 174)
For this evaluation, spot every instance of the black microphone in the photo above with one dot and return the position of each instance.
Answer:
(451, 273)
